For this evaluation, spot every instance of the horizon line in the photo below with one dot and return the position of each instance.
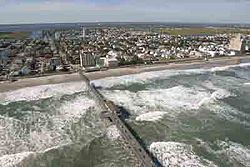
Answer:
(121, 22)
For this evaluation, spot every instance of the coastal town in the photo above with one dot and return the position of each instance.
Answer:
(124, 83)
(47, 52)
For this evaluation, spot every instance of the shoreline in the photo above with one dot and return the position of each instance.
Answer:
(6, 86)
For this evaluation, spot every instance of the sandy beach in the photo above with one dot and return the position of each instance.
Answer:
(74, 77)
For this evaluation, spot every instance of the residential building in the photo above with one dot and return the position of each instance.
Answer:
(87, 59)
(236, 43)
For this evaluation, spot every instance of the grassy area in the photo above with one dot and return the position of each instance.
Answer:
(203, 31)
(14, 35)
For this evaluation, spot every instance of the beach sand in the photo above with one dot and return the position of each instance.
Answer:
(74, 77)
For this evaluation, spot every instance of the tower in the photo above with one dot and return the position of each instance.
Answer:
(83, 32)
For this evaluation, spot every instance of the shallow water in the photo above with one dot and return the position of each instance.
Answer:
(198, 117)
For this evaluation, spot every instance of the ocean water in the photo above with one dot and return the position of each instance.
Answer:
(56, 126)
(196, 117)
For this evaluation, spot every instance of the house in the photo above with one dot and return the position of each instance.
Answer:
(4, 56)
(111, 59)
(101, 62)
(25, 70)
(111, 62)
(55, 62)
(195, 54)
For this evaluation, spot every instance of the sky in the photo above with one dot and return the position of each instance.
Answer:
(64, 11)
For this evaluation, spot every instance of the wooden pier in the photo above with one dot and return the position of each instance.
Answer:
(113, 114)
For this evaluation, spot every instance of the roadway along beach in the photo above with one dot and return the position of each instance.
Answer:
(74, 77)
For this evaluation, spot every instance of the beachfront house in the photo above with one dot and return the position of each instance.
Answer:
(4, 56)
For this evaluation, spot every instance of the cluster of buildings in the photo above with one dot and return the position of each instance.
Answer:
(111, 47)
(31, 56)
(101, 48)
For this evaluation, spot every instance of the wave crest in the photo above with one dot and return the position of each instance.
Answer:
(177, 154)
(41, 92)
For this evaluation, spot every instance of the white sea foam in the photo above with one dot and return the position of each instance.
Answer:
(220, 94)
(13, 160)
(172, 98)
(235, 152)
(76, 108)
(143, 77)
(47, 131)
(151, 116)
(53, 148)
(113, 133)
(216, 95)
(164, 74)
(42, 92)
(173, 154)
(247, 83)
(224, 111)
(69, 113)
(224, 68)
(178, 97)
(230, 113)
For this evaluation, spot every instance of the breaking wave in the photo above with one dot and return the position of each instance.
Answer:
(151, 116)
(164, 74)
(41, 92)
(14, 159)
(236, 153)
(143, 77)
(178, 155)
(42, 131)
(113, 133)
(224, 68)
(229, 113)
(178, 97)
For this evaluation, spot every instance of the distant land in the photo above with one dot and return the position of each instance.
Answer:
(49, 26)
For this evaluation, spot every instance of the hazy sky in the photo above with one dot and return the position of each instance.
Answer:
(46, 11)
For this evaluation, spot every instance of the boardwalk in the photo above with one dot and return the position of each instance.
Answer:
(112, 113)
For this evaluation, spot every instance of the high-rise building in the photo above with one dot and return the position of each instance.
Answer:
(247, 48)
(87, 59)
(236, 43)
(57, 35)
